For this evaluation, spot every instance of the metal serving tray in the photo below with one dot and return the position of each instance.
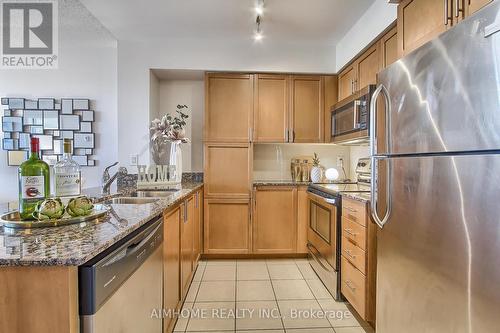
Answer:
(13, 220)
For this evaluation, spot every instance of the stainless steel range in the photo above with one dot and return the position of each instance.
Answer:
(323, 235)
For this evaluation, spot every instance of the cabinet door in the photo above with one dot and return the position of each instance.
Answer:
(275, 220)
(331, 97)
(187, 233)
(389, 48)
(228, 170)
(171, 264)
(271, 108)
(229, 107)
(346, 82)
(368, 66)
(473, 6)
(302, 219)
(197, 226)
(226, 226)
(419, 21)
(307, 109)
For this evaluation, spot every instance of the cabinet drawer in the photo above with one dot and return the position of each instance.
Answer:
(354, 232)
(354, 287)
(354, 255)
(354, 211)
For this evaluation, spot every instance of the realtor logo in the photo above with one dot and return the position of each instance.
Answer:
(29, 34)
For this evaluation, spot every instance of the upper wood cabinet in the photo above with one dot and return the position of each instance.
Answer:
(271, 107)
(307, 112)
(331, 97)
(171, 264)
(274, 220)
(421, 20)
(347, 80)
(229, 107)
(389, 48)
(226, 226)
(368, 65)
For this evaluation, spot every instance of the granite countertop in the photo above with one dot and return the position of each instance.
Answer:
(278, 182)
(360, 196)
(75, 244)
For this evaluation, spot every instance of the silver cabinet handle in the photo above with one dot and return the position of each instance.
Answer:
(349, 284)
(446, 10)
(349, 232)
(286, 134)
(349, 254)
(352, 210)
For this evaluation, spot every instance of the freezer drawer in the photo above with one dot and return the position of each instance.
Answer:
(438, 251)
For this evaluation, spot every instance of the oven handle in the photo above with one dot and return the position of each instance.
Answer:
(316, 255)
(329, 201)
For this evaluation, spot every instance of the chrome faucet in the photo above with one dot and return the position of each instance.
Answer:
(107, 180)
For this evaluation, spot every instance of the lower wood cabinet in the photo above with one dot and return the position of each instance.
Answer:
(226, 226)
(197, 226)
(359, 258)
(274, 223)
(187, 233)
(171, 263)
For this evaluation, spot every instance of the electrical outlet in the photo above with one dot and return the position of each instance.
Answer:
(134, 159)
(340, 161)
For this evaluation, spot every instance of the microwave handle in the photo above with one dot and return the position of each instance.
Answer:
(357, 104)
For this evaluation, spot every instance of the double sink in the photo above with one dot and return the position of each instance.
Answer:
(141, 197)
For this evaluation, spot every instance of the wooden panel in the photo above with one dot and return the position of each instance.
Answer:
(389, 47)
(473, 6)
(354, 232)
(331, 97)
(271, 108)
(275, 219)
(354, 210)
(302, 219)
(307, 108)
(171, 264)
(187, 233)
(198, 227)
(346, 82)
(226, 226)
(368, 67)
(229, 107)
(228, 170)
(39, 299)
(419, 21)
(353, 287)
(354, 255)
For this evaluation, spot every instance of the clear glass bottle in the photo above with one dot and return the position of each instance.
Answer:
(67, 174)
(34, 181)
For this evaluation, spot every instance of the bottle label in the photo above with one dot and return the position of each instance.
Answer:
(67, 184)
(33, 187)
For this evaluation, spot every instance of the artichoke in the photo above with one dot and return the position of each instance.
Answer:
(49, 209)
(79, 206)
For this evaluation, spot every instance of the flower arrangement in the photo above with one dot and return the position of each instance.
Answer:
(170, 127)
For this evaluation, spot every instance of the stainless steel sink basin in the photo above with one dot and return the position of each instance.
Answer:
(154, 194)
(131, 201)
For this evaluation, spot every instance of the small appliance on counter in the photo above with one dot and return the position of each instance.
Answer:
(324, 231)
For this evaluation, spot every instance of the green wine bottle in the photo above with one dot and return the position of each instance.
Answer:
(34, 182)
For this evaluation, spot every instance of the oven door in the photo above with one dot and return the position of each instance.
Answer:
(322, 231)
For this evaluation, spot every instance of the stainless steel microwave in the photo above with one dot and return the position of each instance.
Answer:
(351, 118)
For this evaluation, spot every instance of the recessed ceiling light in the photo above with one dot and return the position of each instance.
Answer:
(258, 36)
(259, 10)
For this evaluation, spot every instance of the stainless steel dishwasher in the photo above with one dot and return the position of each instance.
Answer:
(120, 288)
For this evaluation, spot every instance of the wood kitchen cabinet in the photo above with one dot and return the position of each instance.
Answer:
(346, 82)
(274, 223)
(226, 226)
(187, 233)
(389, 48)
(197, 226)
(307, 113)
(271, 108)
(359, 258)
(171, 263)
(228, 107)
(228, 170)
(302, 219)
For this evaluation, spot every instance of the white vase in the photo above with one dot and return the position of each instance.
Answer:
(316, 174)
(176, 159)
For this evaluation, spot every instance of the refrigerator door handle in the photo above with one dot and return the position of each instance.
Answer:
(374, 191)
(373, 119)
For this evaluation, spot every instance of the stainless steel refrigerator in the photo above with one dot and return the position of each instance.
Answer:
(436, 187)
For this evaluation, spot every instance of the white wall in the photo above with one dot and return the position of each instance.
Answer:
(272, 161)
(192, 94)
(373, 22)
(136, 58)
(87, 68)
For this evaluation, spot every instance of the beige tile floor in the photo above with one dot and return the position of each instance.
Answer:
(263, 296)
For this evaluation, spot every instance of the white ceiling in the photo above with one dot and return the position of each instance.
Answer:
(288, 21)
